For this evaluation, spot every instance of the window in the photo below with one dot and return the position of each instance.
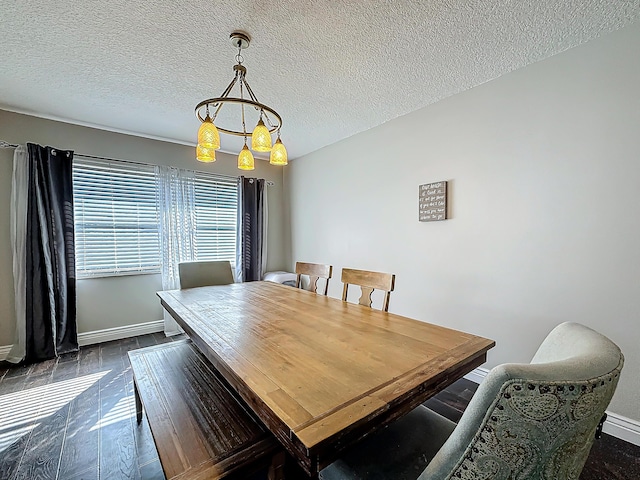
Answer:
(216, 207)
(116, 220)
(117, 217)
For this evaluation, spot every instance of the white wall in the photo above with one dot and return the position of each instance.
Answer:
(116, 301)
(544, 172)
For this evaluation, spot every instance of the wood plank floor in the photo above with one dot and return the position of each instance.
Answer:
(74, 418)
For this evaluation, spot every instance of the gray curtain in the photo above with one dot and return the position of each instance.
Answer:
(252, 225)
(50, 320)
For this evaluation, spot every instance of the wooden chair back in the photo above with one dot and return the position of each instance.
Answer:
(368, 282)
(315, 271)
(205, 273)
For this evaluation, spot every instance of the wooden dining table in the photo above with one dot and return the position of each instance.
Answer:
(319, 372)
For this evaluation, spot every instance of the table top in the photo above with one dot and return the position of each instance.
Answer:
(319, 372)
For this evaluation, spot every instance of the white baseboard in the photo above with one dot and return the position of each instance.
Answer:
(477, 375)
(174, 332)
(107, 335)
(623, 428)
(616, 425)
(4, 352)
(118, 333)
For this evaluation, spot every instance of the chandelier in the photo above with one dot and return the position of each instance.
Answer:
(268, 123)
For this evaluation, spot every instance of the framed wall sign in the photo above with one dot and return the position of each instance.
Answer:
(432, 202)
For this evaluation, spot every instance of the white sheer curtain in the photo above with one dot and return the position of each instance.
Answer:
(19, 197)
(176, 202)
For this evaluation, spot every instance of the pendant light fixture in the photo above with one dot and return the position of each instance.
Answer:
(268, 122)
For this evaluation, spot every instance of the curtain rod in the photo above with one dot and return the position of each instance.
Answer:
(4, 144)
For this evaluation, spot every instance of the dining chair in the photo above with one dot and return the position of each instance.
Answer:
(368, 282)
(526, 421)
(205, 273)
(314, 271)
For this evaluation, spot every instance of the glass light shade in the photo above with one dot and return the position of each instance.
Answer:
(261, 138)
(245, 159)
(206, 155)
(278, 154)
(208, 135)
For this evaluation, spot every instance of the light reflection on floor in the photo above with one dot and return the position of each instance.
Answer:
(20, 412)
(123, 410)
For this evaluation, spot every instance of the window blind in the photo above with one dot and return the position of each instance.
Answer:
(116, 219)
(216, 207)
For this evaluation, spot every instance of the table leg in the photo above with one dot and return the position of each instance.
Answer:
(276, 469)
(138, 402)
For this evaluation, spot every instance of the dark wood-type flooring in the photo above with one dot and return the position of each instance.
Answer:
(74, 418)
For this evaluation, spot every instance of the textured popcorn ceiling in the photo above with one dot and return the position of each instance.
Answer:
(330, 68)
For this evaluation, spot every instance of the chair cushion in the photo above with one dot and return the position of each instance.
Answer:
(399, 451)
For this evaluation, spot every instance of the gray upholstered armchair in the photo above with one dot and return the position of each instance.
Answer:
(205, 273)
(526, 421)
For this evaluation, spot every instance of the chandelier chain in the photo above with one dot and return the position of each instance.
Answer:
(271, 125)
(244, 127)
(239, 57)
